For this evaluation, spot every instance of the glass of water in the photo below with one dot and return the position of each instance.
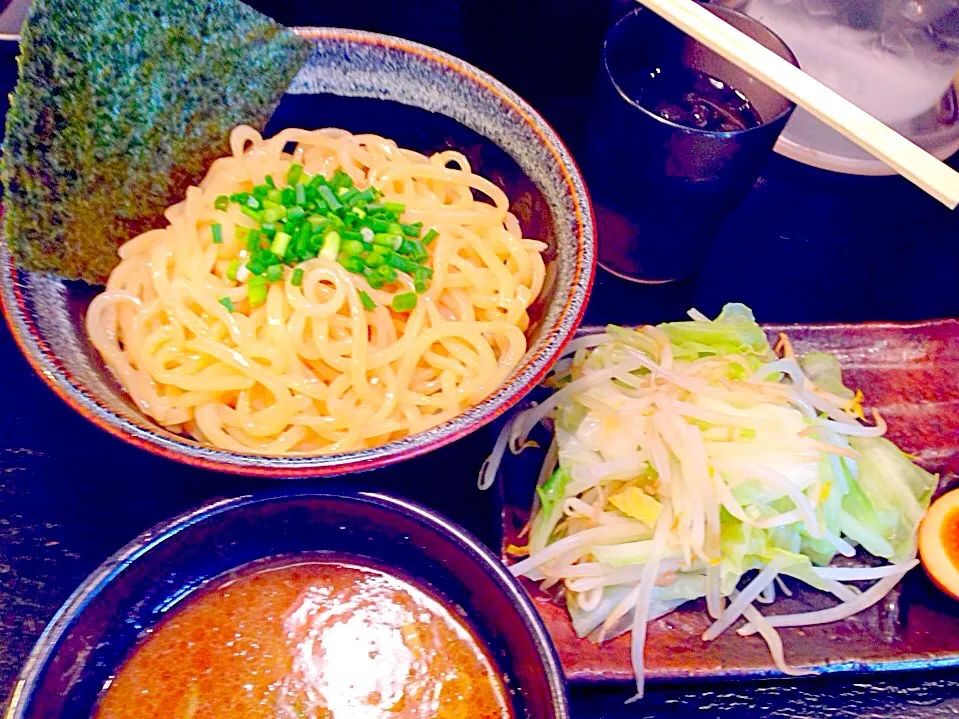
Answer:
(893, 58)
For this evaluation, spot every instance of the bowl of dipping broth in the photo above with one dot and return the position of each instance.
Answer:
(328, 605)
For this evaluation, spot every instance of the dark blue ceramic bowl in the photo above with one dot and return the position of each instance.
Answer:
(92, 633)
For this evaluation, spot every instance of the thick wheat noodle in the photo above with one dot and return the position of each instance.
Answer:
(311, 371)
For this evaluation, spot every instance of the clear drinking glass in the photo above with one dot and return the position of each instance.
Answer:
(661, 190)
(893, 58)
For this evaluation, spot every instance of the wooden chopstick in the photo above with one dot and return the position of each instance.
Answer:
(902, 155)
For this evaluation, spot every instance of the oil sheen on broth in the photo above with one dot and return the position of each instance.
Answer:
(316, 640)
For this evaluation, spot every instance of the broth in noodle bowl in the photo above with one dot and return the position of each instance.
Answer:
(325, 363)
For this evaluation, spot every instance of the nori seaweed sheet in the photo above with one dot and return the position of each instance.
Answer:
(120, 105)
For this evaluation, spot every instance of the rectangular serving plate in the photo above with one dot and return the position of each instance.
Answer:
(910, 373)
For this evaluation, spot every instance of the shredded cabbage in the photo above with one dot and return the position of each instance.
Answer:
(694, 461)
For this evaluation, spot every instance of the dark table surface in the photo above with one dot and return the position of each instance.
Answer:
(806, 246)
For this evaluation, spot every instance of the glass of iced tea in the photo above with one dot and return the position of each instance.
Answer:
(677, 137)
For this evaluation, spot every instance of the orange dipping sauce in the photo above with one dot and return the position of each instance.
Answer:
(314, 640)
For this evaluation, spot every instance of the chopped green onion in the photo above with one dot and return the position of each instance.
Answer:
(301, 242)
(367, 195)
(274, 214)
(331, 218)
(228, 303)
(367, 301)
(274, 273)
(280, 243)
(341, 179)
(419, 281)
(217, 230)
(353, 263)
(294, 174)
(253, 240)
(317, 225)
(257, 266)
(329, 198)
(387, 273)
(232, 270)
(404, 302)
(331, 245)
(295, 214)
(271, 258)
(251, 213)
(352, 247)
(387, 240)
(256, 290)
(373, 277)
(413, 249)
(405, 264)
(421, 255)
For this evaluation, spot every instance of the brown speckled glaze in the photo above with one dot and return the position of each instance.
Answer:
(910, 373)
(45, 314)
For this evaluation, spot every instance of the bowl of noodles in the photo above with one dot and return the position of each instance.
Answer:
(394, 262)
